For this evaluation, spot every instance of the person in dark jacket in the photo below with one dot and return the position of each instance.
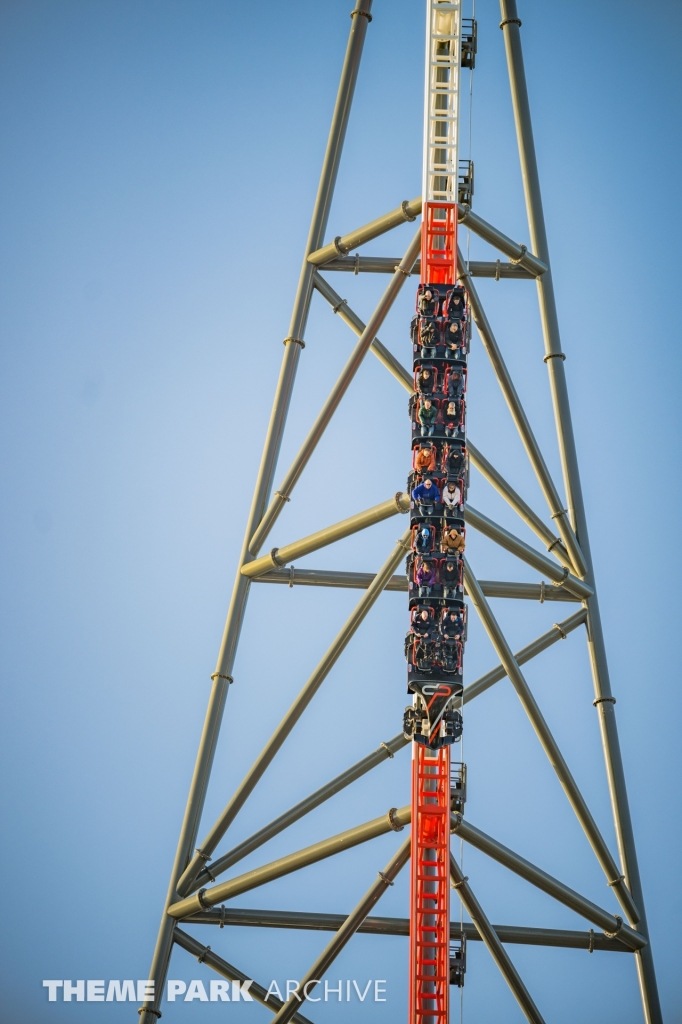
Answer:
(455, 306)
(452, 626)
(453, 339)
(426, 381)
(450, 574)
(425, 576)
(427, 303)
(456, 462)
(426, 494)
(455, 383)
(421, 623)
(427, 416)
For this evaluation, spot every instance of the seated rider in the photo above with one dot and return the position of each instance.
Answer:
(456, 461)
(451, 418)
(426, 494)
(452, 497)
(453, 338)
(450, 575)
(452, 542)
(455, 306)
(420, 627)
(423, 540)
(425, 576)
(426, 380)
(452, 625)
(425, 459)
(455, 383)
(428, 338)
(427, 303)
(427, 416)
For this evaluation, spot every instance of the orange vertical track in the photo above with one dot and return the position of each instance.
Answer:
(439, 243)
(430, 870)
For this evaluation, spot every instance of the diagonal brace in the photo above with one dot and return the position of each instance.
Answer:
(613, 926)
(336, 394)
(492, 941)
(559, 631)
(559, 513)
(518, 547)
(552, 542)
(300, 809)
(348, 929)
(550, 746)
(292, 716)
(205, 955)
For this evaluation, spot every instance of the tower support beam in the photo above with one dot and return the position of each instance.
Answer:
(554, 358)
(293, 343)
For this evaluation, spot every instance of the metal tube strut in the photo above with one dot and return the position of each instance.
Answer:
(407, 211)
(611, 924)
(293, 343)
(552, 542)
(349, 927)
(549, 745)
(292, 716)
(562, 937)
(394, 821)
(356, 325)
(386, 265)
(205, 955)
(559, 631)
(280, 557)
(537, 461)
(518, 547)
(554, 359)
(361, 580)
(266, 833)
(495, 947)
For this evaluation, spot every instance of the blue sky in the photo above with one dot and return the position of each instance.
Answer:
(157, 165)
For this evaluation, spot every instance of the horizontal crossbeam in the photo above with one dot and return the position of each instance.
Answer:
(564, 938)
(343, 244)
(386, 265)
(361, 580)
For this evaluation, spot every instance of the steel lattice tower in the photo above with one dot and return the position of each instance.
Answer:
(195, 895)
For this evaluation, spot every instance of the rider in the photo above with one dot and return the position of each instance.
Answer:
(427, 416)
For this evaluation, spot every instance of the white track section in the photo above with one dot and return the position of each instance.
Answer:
(441, 100)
